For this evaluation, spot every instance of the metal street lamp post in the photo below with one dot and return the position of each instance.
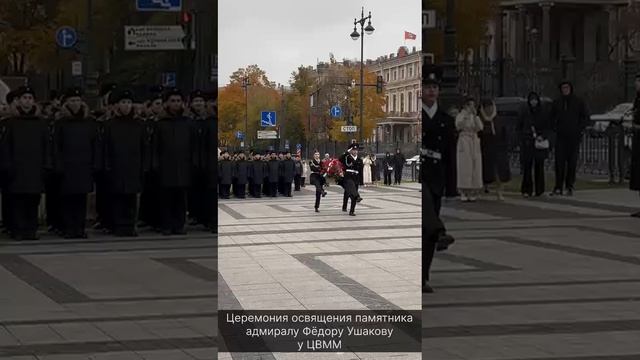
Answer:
(245, 86)
(355, 35)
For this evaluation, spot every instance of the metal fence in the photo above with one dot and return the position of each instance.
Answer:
(602, 152)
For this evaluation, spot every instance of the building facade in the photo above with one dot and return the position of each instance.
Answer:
(401, 72)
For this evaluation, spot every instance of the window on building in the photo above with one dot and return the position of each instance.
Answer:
(401, 103)
(418, 100)
(410, 69)
(393, 107)
(386, 104)
(410, 99)
(402, 73)
(387, 75)
(395, 75)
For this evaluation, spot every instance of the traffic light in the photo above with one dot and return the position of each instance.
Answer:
(379, 85)
(186, 21)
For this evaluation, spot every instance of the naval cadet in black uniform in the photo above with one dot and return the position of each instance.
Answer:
(75, 144)
(27, 145)
(196, 199)
(174, 153)
(316, 178)
(438, 133)
(353, 171)
(287, 173)
(225, 174)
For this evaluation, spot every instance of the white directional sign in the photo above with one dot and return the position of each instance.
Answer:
(76, 68)
(348, 129)
(428, 19)
(267, 134)
(167, 37)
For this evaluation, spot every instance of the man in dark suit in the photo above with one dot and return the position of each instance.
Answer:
(353, 170)
(438, 133)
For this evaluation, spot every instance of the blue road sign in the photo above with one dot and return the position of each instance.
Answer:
(298, 146)
(268, 118)
(66, 37)
(159, 5)
(336, 111)
(169, 79)
(239, 135)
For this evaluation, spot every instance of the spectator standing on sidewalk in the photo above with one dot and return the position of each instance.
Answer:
(569, 117)
(493, 139)
(469, 152)
(398, 161)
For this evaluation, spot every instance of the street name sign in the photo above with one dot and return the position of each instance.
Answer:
(267, 134)
(158, 5)
(348, 129)
(154, 37)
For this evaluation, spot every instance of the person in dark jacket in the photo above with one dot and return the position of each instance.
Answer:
(273, 174)
(398, 165)
(5, 114)
(27, 145)
(298, 173)
(533, 130)
(241, 174)
(352, 175)
(211, 146)
(388, 165)
(174, 154)
(437, 157)
(634, 183)
(149, 204)
(53, 204)
(225, 174)
(494, 143)
(257, 174)
(197, 201)
(287, 173)
(317, 178)
(104, 220)
(569, 117)
(75, 161)
(125, 151)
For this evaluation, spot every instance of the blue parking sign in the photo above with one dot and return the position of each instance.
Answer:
(159, 5)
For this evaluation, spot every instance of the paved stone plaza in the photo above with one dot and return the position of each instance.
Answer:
(278, 254)
(538, 279)
(150, 298)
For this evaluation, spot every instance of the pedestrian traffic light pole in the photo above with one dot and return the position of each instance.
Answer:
(355, 35)
(245, 86)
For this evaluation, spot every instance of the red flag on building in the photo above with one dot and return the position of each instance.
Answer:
(409, 36)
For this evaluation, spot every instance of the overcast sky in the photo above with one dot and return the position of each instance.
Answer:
(280, 35)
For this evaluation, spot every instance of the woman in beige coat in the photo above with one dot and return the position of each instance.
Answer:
(469, 152)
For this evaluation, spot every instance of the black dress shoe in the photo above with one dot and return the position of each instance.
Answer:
(352, 214)
(443, 242)
(569, 192)
(324, 193)
(426, 289)
(358, 199)
(317, 210)
(344, 209)
(636, 214)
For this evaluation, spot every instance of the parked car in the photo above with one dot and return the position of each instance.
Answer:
(620, 113)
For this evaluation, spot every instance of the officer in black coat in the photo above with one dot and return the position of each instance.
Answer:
(174, 153)
(104, 210)
(52, 181)
(257, 174)
(225, 174)
(353, 171)
(298, 173)
(438, 134)
(149, 198)
(273, 174)
(287, 173)
(125, 151)
(241, 172)
(398, 164)
(569, 118)
(4, 160)
(197, 202)
(211, 162)
(316, 178)
(75, 144)
(27, 145)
